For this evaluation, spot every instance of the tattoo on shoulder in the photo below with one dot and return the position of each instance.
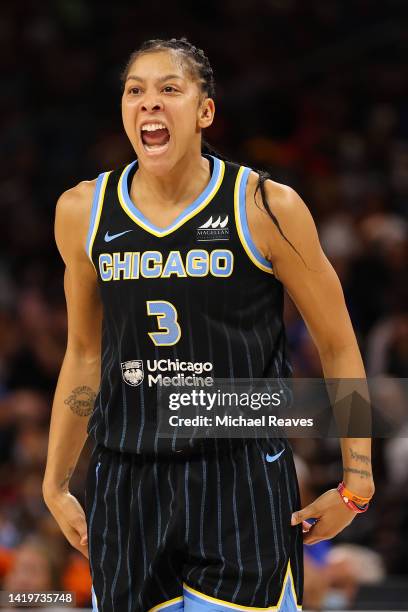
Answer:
(67, 478)
(362, 473)
(363, 458)
(81, 400)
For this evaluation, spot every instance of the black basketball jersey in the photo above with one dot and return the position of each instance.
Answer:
(185, 304)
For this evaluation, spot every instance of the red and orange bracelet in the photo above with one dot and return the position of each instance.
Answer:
(354, 502)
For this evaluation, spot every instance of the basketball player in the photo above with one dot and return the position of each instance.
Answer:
(169, 525)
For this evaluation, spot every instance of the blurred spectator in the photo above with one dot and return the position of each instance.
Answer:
(315, 585)
(34, 568)
(347, 567)
(387, 347)
(396, 457)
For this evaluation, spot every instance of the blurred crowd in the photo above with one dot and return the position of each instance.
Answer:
(314, 92)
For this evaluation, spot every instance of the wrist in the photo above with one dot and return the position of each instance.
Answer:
(360, 487)
(354, 502)
(52, 488)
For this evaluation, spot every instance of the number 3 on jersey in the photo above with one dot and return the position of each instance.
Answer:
(166, 314)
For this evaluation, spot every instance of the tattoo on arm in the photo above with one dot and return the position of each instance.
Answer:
(363, 458)
(362, 473)
(67, 478)
(81, 400)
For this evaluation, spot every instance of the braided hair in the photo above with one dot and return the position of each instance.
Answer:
(198, 64)
(195, 59)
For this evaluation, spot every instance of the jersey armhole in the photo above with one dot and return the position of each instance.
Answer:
(96, 211)
(241, 221)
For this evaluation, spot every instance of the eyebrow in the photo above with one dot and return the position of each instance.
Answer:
(168, 77)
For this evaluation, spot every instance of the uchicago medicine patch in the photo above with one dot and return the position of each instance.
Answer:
(132, 372)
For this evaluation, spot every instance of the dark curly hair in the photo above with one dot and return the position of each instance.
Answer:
(200, 69)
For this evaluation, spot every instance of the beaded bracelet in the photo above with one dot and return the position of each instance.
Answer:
(354, 502)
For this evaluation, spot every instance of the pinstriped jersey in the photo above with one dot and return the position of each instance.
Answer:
(184, 304)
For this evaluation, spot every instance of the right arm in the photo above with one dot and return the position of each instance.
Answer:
(79, 378)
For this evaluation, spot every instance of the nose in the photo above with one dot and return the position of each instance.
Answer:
(151, 104)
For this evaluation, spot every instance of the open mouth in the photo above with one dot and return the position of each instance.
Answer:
(155, 137)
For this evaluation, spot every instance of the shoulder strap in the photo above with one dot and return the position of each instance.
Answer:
(96, 210)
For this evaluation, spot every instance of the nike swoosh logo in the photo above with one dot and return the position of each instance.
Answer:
(109, 237)
(271, 458)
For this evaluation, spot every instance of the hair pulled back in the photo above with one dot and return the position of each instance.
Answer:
(199, 67)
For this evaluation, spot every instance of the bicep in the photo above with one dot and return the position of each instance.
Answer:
(80, 281)
(83, 309)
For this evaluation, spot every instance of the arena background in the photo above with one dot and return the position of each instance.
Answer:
(317, 92)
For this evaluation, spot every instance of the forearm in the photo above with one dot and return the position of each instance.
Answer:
(346, 365)
(357, 470)
(73, 403)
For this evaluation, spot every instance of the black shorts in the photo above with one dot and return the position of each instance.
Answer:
(198, 533)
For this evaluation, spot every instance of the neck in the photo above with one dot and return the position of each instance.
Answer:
(183, 183)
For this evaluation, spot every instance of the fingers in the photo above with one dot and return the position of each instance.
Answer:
(331, 516)
(321, 530)
(81, 537)
(70, 517)
(317, 535)
(77, 542)
(301, 515)
(79, 525)
(84, 551)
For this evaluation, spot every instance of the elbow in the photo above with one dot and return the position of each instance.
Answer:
(334, 350)
(337, 343)
(87, 355)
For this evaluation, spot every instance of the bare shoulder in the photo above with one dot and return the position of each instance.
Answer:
(72, 217)
(283, 200)
(289, 210)
(77, 201)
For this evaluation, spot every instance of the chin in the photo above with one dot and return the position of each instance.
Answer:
(157, 167)
(157, 163)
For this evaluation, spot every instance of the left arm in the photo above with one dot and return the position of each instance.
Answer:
(315, 289)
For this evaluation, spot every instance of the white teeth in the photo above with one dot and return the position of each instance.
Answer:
(151, 127)
(156, 148)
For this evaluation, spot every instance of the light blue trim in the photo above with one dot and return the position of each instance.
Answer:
(194, 603)
(177, 606)
(161, 230)
(94, 602)
(94, 211)
(288, 602)
(244, 221)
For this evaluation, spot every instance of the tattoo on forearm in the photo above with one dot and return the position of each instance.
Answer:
(362, 473)
(363, 458)
(81, 400)
(67, 478)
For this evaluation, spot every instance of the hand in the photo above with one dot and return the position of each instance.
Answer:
(70, 516)
(331, 514)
